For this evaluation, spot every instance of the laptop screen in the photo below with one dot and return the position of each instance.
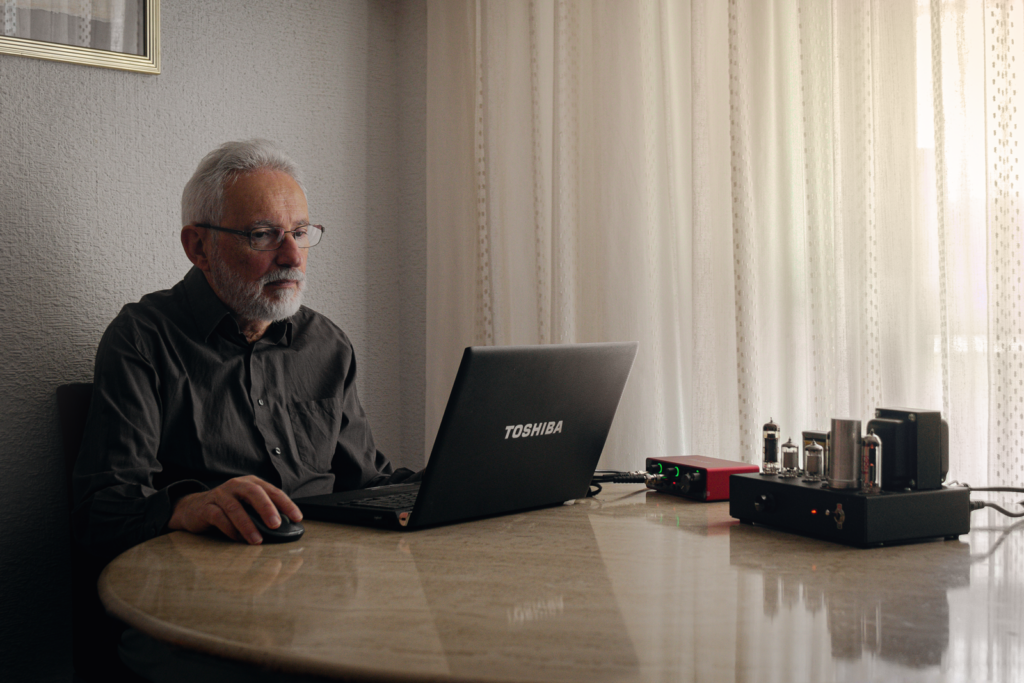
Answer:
(524, 427)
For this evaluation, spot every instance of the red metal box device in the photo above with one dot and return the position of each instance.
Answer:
(695, 476)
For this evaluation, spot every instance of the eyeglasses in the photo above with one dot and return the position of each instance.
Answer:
(271, 239)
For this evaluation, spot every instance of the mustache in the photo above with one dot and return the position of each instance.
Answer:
(283, 274)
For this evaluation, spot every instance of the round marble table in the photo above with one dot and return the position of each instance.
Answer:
(630, 586)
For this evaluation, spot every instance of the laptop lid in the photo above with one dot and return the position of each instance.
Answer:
(524, 428)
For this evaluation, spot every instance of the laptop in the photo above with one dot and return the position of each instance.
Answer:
(523, 429)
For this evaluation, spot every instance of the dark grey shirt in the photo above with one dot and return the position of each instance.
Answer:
(181, 403)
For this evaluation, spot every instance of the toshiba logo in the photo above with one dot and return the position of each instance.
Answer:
(535, 429)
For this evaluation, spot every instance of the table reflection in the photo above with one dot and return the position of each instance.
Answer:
(888, 602)
(708, 598)
(631, 586)
(238, 589)
(492, 598)
(519, 597)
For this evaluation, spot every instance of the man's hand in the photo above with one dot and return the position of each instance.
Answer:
(222, 508)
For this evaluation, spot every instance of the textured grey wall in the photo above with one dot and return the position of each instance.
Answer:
(92, 163)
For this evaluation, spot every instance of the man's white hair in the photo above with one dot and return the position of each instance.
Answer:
(202, 201)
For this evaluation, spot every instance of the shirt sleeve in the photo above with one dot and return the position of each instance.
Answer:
(357, 463)
(116, 504)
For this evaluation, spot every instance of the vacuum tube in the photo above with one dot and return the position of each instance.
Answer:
(813, 462)
(790, 459)
(770, 457)
(871, 463)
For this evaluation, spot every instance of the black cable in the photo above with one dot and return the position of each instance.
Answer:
(618, 477)
(1010, 489)
(979, 504)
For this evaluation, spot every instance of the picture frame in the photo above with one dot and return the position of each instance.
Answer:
(148, 62)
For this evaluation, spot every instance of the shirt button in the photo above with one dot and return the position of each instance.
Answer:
(260, 401)
(277, 451)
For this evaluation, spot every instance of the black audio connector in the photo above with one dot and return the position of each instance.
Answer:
(617, 477)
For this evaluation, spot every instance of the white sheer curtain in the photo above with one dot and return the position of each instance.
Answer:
(802, 209)
(101, 24)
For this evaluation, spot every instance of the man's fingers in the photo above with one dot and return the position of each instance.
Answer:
(268, 501)
(217, 518)
(236, 515)
(258, 499)
(224, 507)
(285, 504)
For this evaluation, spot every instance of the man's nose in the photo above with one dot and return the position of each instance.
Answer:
(289, 254)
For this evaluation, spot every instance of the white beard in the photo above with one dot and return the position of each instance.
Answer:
(250, 302)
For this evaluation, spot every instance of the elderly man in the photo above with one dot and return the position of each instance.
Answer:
(224, 390)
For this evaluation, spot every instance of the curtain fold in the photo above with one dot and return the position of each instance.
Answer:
(801, 209)
(573, 183)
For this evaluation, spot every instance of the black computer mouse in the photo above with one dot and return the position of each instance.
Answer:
(286, 533)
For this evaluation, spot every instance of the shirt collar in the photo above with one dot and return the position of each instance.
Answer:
(209, 312)
(206, 307)
(279, 333)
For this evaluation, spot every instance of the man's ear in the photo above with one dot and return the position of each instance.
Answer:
(196, 242)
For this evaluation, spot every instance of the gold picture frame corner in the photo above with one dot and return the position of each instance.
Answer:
(148, 63)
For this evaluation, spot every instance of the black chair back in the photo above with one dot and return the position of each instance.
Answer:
(95, 635)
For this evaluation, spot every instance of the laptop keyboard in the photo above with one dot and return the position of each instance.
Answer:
(392, 501)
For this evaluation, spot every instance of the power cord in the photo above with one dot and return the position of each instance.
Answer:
(979, 504)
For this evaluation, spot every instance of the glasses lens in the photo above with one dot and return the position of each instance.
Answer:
(313, 235)
(265, 239)
(270, 239)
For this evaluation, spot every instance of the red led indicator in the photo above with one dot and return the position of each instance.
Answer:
(814, 512)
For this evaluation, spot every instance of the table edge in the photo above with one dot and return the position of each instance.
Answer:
(269, 658)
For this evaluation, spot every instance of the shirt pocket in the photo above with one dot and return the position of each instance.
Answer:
(315, 427)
